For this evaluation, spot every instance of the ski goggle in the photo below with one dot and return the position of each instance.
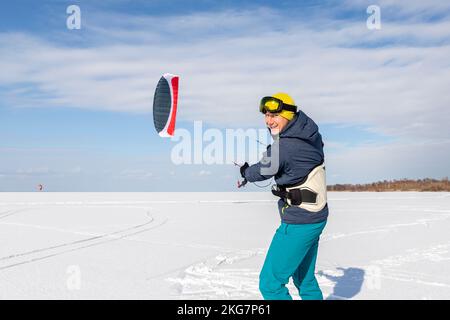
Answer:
(275, 105)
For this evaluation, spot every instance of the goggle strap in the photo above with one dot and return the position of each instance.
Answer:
(289, 107)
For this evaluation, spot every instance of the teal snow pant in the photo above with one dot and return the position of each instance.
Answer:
(292, 253)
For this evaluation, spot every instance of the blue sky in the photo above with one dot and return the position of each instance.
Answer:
(75, 105)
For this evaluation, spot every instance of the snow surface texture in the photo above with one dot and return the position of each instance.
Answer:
(212, 245)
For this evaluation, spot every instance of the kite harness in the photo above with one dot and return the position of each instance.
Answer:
(310, 194)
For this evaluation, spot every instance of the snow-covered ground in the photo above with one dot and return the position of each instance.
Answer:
(212, 245)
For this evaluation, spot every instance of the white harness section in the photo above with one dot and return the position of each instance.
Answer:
(316, 183)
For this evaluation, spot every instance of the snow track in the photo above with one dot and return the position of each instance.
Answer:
(221, 277)
(9, 213)
(21, 258)
(233, 275)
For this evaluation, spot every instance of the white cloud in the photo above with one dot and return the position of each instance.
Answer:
(76, 169)
(325, 69)
(31, 171)
(37, 172)
(204, 173)
(396, 160)
(139, 174)
(411, 10)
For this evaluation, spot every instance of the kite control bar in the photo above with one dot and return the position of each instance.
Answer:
(243, 182)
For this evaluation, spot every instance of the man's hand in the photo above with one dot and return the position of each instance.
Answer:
(242, 169)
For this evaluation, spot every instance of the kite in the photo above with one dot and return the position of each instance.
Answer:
(165, 103)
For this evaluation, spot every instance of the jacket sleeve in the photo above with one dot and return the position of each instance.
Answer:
(267, 167)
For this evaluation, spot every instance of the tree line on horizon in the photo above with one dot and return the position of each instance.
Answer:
(423, 185)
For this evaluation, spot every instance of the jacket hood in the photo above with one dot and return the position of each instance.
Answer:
(300, 127)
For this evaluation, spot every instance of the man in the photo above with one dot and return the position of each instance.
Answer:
(300, 176)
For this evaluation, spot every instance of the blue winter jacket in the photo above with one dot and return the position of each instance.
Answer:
(300, 151)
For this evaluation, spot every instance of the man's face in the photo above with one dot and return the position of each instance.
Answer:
(275, 122)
